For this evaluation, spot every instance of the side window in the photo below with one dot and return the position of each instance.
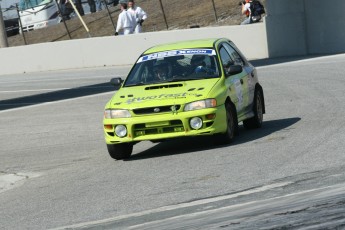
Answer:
(234, 55)
(227, 61)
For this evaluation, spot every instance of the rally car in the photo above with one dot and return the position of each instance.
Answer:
(190, 88)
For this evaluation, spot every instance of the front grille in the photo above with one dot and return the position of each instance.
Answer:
(158, 128)
(156, 110)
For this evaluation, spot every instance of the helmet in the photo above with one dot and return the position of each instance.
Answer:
(198, 60)
(162, 69)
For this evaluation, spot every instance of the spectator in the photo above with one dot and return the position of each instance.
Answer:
(63, 8)
(99, 5)
(246, 11)
(139, 14)
(79, 7)
(92, 5)
(126, 21)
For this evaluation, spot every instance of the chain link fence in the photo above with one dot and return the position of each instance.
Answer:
(162, 15)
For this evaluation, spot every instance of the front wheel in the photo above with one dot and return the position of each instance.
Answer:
(120, 151)
(256, 121)
(231, 126)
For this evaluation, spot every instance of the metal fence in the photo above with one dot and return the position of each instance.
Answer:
(159, 11)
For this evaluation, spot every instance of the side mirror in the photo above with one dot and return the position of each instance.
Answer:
(117, 81)
(234, 69)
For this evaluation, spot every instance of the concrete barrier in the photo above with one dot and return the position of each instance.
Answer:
(301, 27)
(121, 50)
(293, 27)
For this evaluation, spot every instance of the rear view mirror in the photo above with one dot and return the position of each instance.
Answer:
(234, 69)
(117, 81)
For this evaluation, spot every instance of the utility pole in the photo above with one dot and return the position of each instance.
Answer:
(165, 19)
(215, 11)
(3, 35)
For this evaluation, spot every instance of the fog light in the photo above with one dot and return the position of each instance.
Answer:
(120, 130)
(195, 123)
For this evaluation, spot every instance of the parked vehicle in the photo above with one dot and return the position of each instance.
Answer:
(10, 16)
(37, 14)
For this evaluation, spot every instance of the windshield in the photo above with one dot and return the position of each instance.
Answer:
(28, 4)
(176, 65)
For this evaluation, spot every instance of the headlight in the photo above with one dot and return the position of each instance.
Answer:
(203, 104)
(116, 113)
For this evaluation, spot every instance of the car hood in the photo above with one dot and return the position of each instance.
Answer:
(162, 94)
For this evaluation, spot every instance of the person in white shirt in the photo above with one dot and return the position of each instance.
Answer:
(139, 14)
(126, 22)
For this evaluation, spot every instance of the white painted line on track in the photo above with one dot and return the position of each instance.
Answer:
(63, 78)
(54, 102)
(56, 89)
(302, 61)
(178, 206)
(33, 90)
(12, 180)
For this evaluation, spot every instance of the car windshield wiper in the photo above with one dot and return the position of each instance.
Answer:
(183, 79)
(135, 84)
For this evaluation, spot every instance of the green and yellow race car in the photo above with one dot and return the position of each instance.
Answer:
(190, 88)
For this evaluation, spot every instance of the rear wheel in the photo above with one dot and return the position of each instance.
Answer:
(231, 126)
(120, 151)
(256, 121)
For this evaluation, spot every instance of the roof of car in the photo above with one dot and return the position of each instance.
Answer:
(190, 44)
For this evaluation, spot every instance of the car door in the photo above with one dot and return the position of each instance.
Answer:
(245, 76)
(234, 82)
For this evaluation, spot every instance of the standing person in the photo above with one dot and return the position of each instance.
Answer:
(99, 5)
(126, 22)
(92, 5)
(246, 11)
(139, 14)
(64, 12)
(79, 7)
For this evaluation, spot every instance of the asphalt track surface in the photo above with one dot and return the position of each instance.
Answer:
(55, 172)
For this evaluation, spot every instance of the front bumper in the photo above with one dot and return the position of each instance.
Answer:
(165, 126)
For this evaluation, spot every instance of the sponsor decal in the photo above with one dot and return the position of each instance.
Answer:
(176, 53)
(161, 96)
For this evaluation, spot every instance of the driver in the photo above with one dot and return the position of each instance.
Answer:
(161, 70)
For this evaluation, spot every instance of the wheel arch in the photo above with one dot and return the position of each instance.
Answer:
(259, 87)
(229, 101)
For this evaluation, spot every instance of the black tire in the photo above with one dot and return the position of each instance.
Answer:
(258, 109)
(231, 124)
(120, 151)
